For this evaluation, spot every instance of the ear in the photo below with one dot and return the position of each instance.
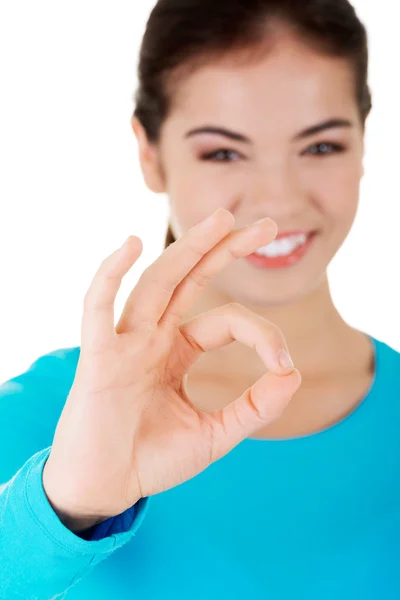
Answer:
(149, 159)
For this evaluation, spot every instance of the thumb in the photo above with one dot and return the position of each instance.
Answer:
(258, 406)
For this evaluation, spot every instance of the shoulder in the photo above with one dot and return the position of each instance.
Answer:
(57, 365)
(387, 352)
(30, 407)
(388, 364)
(61, 361)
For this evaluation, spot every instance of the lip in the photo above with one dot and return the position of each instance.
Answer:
(283, 234)
(279, 262)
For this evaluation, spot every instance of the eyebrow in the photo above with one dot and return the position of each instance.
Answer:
(332, 123)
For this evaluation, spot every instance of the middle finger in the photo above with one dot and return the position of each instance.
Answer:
(237, 244)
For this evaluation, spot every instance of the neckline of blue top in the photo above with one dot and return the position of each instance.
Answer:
(347, 425)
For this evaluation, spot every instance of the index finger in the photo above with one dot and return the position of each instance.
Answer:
(152, 293)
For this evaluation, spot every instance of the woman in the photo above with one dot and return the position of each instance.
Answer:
(267, 480)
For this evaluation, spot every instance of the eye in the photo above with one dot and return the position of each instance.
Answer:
(220, 155)
(324, 149)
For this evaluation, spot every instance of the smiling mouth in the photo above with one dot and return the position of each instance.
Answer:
(284, 245)
(284, 252)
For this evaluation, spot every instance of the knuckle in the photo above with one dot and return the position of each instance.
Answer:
(196, 246)
(253, 406)
(195, 345)
(234, 254)
(238, 311)
(200, 278)
(148, 277)
(147, 327)
(235, 308)
(170, 318)
(273, 334)
(268, 328)
(276, 335)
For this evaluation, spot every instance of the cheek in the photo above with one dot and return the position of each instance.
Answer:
(336, 189)
(195, 194)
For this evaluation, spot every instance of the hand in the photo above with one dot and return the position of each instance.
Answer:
(128, 429)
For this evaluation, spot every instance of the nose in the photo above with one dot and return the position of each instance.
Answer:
(276, 192)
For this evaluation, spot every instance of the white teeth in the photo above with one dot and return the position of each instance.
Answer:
(284, 246)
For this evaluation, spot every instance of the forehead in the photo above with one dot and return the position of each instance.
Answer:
(290, 84)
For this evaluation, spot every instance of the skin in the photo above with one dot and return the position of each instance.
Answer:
(270, 101)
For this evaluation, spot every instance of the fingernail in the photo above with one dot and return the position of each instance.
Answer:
(210, 220)
(284, 360)
(262, 220)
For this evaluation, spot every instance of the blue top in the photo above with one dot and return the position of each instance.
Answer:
(315, 517)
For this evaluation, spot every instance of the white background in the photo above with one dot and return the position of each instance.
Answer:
(71, 189)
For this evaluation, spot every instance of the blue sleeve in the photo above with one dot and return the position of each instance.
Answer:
(111, 525)
(39, 556)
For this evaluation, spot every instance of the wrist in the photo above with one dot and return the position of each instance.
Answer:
(75, 519)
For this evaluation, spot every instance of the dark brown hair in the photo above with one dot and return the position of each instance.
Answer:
(183, 34)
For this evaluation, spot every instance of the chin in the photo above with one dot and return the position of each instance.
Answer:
(286, 293)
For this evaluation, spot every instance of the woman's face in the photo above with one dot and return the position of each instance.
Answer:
(302, 181)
